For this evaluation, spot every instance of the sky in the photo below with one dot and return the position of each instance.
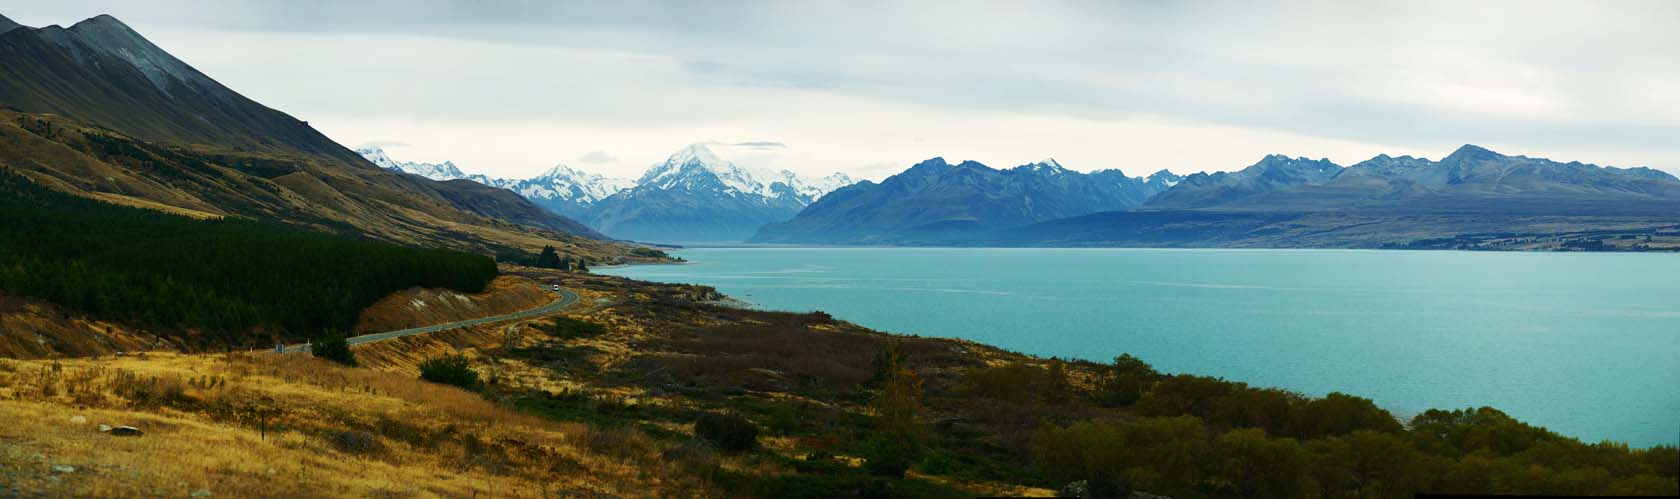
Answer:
(512, 88)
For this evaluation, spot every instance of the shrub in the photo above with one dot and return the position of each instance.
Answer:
(1160, 455)
(693, 456)
(1341, 414)
(1125, 382)
(355, 442)
(888, 457)
(333, 347)
(649, 252)
(573, 328)
(621, 442)
(899, 437)
(1019, 382)
(451, 369)
(1185, 394)
(729, 432)
(783, 420)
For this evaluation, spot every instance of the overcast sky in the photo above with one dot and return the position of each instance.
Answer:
(512, 88)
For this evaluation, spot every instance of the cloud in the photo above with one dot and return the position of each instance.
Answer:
(760, 145)
(381, 144)
(1208, 85)
(596, 157)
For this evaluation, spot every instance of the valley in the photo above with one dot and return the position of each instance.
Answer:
(202, 295)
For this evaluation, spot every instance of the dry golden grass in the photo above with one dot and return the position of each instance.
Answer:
(415, 307)
(379, 431)
(31, 329)
(321, 192)
(330, 431)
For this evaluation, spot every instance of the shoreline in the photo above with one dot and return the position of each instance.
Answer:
(1401, 414)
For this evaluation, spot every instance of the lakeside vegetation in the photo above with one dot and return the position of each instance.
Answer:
(221, 277)
(660, 394)
(1196, 436)
(854, 412)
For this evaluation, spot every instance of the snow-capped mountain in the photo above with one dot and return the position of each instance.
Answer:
(695, 166)
(565, 183)
(695, 196)
(692, 196)
(435, 171)
(567, 191)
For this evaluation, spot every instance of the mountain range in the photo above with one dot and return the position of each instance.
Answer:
(693, 196)
(934, 201)
(1472, 199)
(97, 110)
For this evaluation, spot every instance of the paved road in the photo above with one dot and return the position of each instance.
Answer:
(567, 298)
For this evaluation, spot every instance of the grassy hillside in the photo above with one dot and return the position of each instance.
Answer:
(321, 194)
(221, 277)
(293, 426)
(645, 390)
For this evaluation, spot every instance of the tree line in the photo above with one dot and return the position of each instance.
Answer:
(225, 278)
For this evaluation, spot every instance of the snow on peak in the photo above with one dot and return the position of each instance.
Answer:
(696, 152)
(831, 183)
(563, 182)
(377, 157)
(435, 171)
(694, 167)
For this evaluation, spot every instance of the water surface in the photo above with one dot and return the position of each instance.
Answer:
(1587, 344)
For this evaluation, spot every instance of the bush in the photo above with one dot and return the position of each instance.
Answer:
(783, 420)
(1341, 414)
(1125, 382)
(451, 369)
(889, 457)
(649, 252)
(729, 432)
(573, 328)
(693, 456)
(333, 347)
(1019, 382)
(355, 442)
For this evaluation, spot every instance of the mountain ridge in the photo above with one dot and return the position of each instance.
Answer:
(692, 196)
(98, 110)
(1278, 201)
(934, 199)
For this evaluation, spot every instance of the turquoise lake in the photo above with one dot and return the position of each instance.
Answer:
(1587, 344)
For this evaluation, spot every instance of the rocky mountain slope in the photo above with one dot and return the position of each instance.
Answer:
(937, 201)
(96, 109)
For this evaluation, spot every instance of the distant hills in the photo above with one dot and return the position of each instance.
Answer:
(935, 201)
(97, 110)
(693, 196)
(1472, 199)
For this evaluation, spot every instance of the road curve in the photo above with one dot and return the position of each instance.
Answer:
(567, 298)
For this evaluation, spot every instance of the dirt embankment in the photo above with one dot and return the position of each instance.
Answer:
(32, 329)
(415, 307)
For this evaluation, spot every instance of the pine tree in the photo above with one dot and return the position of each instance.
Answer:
(899, 437)
(549, 259)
